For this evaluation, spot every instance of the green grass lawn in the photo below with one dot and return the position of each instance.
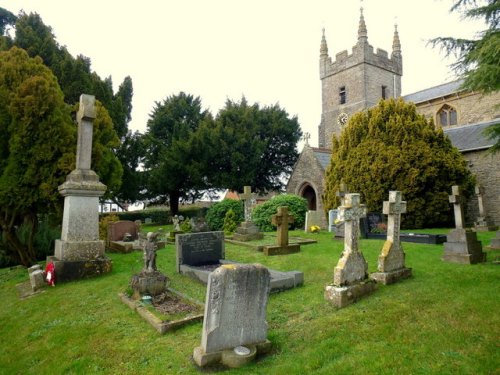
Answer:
(444, 320)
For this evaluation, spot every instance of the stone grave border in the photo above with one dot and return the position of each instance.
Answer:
(163, 326)
(293, 240)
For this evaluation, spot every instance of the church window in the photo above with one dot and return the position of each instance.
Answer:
(342, 95)
(447, 116)
(384, 92)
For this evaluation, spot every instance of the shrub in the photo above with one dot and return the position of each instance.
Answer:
(103, 225)
(230, 223)
(297, 207)
(217, 213)
(392, 147)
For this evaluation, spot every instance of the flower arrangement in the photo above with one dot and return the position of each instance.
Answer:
(314, 229)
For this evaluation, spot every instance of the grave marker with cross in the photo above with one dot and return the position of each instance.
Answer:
(247, 201)
(342, 193)
(281, 220)
(350, 213)
(394, 208)
(85, 116)
(391, 261)
(456, 198)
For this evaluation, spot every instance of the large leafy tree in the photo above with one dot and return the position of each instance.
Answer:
(37, 146)
(392, 147)
(478, 61)
(131, 155)
(172, 162)
(252, 146)
(75, 76)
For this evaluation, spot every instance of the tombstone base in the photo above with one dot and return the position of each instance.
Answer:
(228, 357)
(70, 270)
(463, 247)
(342, 296)
(148, 283)
(78, 250)
(247, 231)
(391, 277)
(120, 247)
(281, 250)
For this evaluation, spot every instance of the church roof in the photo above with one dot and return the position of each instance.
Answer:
(434, 92)
(323, 156)
(470, 137)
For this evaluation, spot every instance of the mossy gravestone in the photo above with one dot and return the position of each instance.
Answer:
(391, 261)
(350, 278)
(234, 323)
(462, 245)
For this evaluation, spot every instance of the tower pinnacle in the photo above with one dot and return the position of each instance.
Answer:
(323, 51)
(362, 31)
(396, 44)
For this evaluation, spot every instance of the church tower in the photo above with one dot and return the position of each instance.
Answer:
(356, 82)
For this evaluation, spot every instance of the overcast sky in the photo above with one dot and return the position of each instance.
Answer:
(266, 50)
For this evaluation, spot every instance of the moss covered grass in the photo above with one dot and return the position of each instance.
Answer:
(444, 320)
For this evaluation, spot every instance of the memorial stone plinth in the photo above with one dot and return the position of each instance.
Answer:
(350, 278)
(80, 253)
(462, 245)
(391, 262)
(247, 230)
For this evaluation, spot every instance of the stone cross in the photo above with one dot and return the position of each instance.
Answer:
(85, 116)
(350, 213)
(342, 192)
(247, 200)
(479, 194)
(281, 220)
(394, 208)
(456, 199)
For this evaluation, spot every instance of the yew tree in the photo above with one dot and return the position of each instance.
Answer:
(392, 147)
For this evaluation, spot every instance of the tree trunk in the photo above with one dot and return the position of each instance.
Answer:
(174, 202)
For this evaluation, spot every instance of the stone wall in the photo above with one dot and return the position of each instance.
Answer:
(485, 166)
(471, 107)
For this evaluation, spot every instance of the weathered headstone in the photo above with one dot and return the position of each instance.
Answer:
(281, 220)
(234, 323)
(149, 281)
(198, 224)
(332, 218)
(198, 254)
(350, 278)
(37, 277)
(80, 253)
(391, 261)
(462, 245)
(483, 222)
(313, 218)
(247, 230)
(340, 226)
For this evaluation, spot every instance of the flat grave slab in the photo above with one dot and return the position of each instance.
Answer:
(198, 254)
(183, 309)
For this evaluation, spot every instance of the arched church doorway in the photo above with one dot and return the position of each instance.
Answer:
(310, 195)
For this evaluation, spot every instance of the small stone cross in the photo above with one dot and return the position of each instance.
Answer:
(456, 199)
(85, 116)
(281, 220)
(350, 212)
(342, 192)
(247, 201)
(394, 208)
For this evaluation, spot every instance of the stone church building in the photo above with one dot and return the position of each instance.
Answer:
(354, 82)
